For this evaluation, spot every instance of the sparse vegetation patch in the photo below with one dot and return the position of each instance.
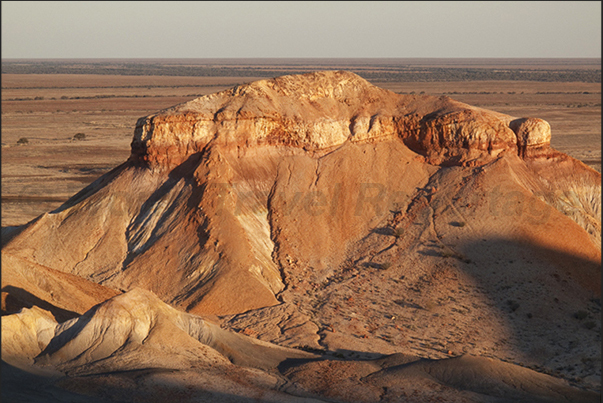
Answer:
(513, 305)
(398, 232)
(581, 315)
(399, 73)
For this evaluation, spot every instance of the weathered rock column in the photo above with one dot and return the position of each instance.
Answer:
(533, 136)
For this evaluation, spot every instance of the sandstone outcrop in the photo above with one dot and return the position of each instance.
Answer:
(533, 135)
(323, 110)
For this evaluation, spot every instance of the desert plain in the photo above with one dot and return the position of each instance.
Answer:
(446, 296)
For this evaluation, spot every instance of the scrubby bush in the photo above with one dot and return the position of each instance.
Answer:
(385, 265)
(79, 136)
(513, 305)
(23, 141)
(398, 232)
(430, 305)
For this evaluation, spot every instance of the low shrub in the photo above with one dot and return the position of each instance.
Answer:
(513, 305)
(398, 232)
(581, 315)
(385, 265)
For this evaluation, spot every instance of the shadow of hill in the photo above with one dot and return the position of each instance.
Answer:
(537, 292)
(18, 385)
(479, 379)
(183, 171)
(94, 187)
(15, 298)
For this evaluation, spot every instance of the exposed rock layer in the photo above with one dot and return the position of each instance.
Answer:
(323, 110)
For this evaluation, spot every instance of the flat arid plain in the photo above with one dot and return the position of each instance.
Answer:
(370, 230)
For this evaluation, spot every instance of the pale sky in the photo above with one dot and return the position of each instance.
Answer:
(346, 29)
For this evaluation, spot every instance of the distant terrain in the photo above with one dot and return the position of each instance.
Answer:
(407, 70)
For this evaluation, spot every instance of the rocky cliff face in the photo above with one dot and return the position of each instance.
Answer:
(321, 111)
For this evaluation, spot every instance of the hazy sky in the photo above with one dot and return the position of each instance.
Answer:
(175, 29)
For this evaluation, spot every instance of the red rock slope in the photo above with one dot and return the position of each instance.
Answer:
(223, 195)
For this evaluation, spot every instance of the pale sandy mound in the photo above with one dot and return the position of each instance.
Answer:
(136, 333)
(25, 335)
(138, 319)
